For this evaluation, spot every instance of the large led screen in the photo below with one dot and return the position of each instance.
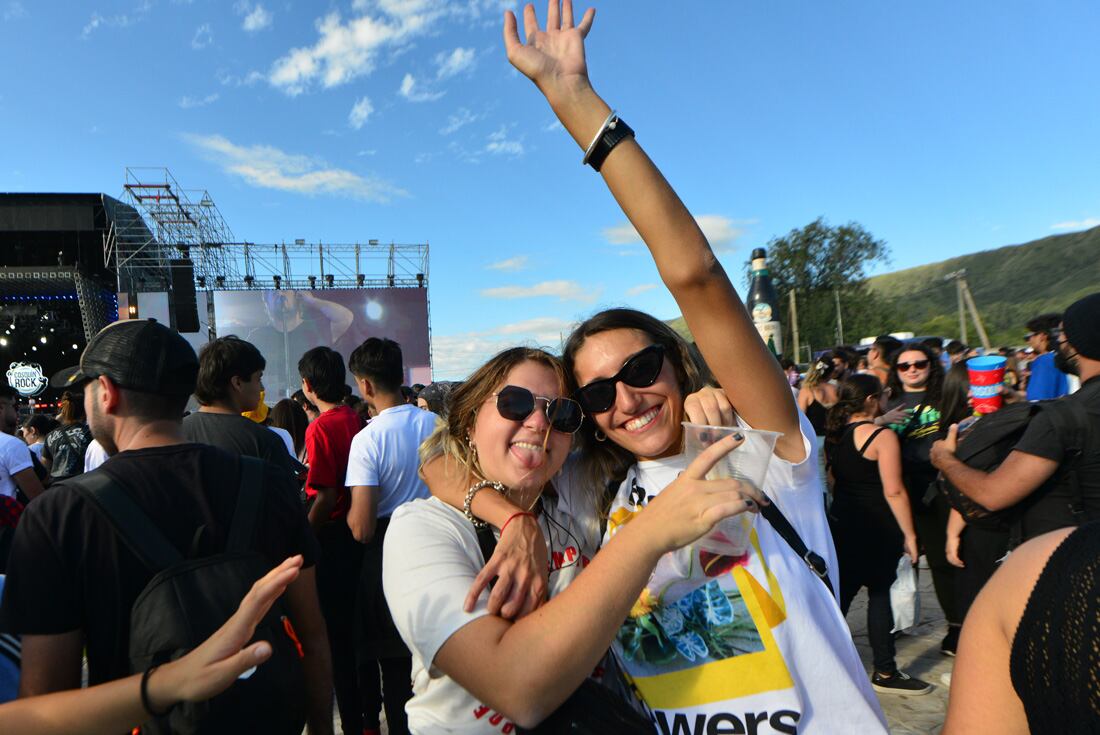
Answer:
(285, 324)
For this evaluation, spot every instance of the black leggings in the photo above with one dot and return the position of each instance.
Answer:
(981, 549)
(391, 690)
(931, 523)
(337, 582)
(868, 557)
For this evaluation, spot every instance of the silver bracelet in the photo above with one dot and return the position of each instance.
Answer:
(470, 498)
(599, 134)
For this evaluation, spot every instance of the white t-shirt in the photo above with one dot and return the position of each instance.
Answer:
(429, 560)
(384, 454)
(748, 644)
(94, 456)
(37, 449)
(287, 439)
(14, 458)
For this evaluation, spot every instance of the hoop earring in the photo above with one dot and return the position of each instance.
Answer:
(600, 436)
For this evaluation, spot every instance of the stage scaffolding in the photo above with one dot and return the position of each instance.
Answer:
(161, 226)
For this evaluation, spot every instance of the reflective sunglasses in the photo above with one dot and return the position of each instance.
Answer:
(516, 404)
(918, 364)
(640, 371)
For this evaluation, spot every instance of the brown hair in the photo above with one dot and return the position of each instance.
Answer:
(451, 437)
(72, 408)
(603, 464)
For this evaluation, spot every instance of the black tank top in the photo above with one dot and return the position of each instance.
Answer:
(1056, 651)
(816, 413)
(858, 486)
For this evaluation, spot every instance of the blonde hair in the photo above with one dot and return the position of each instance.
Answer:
(451, 438)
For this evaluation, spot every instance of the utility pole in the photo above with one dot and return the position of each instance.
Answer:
(969, 298)
(958, 277)
(839, 319)
(794, 324)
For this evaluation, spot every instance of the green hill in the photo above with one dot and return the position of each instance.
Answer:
(1010, 285)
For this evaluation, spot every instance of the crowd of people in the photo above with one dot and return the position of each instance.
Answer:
(521, 551)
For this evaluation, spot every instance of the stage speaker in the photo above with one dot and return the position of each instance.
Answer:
(184, 306)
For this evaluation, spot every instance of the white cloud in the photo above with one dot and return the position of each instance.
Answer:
(410, 91)
(203, 37)
(461, 118)
(14, 10)
(367, 152)
(500, 144)
(721, 232)
(348, 49)
(552, 126)
(517, 263)
(640, 289)
(360, 112)
(271, 168)
(458, 61)
(256, 18)
(455, 356)
(561, 290)
(1082, 224)
(120, 20)
(187, 102)
(232, 80)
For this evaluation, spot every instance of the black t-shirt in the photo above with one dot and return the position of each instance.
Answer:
(65, 447)
(917, 434)
(69, 571)
(1043, 439)
(239, 435)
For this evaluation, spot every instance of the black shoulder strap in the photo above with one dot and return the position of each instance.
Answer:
(248, 505)
(871, 438)
(784, 528)
(130, 522)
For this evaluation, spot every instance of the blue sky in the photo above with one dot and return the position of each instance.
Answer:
(942, 127)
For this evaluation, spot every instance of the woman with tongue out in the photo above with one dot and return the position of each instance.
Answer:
(510, 429)
(754, 643)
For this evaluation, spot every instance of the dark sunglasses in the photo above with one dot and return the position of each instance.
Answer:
(640, 371)
(516, 404)
(919, 365)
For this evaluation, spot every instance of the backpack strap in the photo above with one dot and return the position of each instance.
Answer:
(248, 505)
(784, 528)
(130, 522)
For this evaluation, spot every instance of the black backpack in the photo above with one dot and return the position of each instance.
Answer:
(188, 599)
(986, 445)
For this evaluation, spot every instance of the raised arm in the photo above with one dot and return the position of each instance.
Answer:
(554, 60)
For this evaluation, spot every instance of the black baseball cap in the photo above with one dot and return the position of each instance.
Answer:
(141, 355)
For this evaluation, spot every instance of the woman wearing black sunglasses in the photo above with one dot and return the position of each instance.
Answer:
(713, 641)
(508, 435)
(916, 385)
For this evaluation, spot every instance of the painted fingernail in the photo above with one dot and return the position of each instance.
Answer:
(739, 436)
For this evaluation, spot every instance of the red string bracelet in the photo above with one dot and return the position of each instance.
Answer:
(516, 515)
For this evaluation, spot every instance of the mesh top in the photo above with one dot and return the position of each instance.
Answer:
(1055, 662)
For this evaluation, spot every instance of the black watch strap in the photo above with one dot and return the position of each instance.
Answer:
(617, 131)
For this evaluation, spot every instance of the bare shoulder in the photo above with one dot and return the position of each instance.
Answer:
(1010, 588)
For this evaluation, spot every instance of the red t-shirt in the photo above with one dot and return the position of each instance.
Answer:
(328, 442)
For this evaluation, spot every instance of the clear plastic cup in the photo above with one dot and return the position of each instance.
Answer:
(748, 462)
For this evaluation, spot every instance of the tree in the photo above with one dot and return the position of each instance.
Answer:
(819, 262)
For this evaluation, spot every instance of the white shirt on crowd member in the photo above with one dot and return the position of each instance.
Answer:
(14, 458)
(287, 439)
(94, 456)
(37, 448)
(385, 455)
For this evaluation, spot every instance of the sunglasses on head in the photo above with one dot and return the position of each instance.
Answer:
(918, 364)
(639, 371)
(516, 404)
